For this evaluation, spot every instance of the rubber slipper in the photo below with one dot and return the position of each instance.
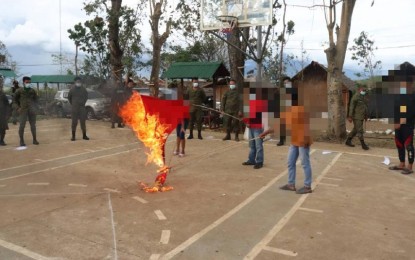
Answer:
(406, 171)
(396, 168)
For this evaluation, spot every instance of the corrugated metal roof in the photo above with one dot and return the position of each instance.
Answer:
(53, 78)
(7, 73)
(204, 70)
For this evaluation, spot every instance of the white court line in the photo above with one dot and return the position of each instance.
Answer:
(165, 237)
(2, 186)
(140, 199)
(284, 220)
(77, 185)
(112, 190)
(155, 257)
(89, 150)
(333, 179)
(38, 184)
(59, 158)
(280, 251)
(160, 215)
(222, 219)
(22, 250)
(113, 226)
(50, 194)
(310, 210)
(62, 166)
(39, 160)
(328, 184)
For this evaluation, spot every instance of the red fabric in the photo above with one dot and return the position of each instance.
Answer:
(256, 107)
(169, 112)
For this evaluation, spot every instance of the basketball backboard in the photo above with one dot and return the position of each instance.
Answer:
(220, 14)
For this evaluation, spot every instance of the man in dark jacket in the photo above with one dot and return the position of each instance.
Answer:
(357, 114)
(77, 97)
(231, 105)
(14, 105)
(4, 114)
(196, 97)
(26, 99)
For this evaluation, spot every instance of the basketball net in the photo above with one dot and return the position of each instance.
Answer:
(228, 24)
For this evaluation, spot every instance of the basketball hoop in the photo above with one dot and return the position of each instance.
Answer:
(228, 23)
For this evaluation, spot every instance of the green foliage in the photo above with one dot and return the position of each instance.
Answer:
(363, 52)
(92, 38)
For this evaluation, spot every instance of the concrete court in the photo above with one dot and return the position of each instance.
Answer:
(80, 200)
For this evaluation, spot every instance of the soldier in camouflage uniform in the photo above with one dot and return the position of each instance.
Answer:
(4, 113)
(232, 105)
(77, 97)
(196, 97)
(26, 99)
(357, 113)
(15, 114)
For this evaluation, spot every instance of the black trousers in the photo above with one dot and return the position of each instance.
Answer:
(404, 140)
(78, 113)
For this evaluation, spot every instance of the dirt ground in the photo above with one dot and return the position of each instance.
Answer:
(81, 200)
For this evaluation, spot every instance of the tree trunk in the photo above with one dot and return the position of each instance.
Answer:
(237, 57)
(335, 55)
(76, 60)
(155, 69)
(158, 41)
(114, 44)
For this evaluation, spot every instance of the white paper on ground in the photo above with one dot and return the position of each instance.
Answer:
(21, 148)
(326, 152)
(386, 161)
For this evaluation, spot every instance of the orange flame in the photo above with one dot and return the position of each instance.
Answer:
(146, 127)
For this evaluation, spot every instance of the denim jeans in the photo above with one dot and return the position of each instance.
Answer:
(256, 150)
(304, 153)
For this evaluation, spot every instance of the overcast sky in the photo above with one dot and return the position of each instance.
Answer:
(31, 31)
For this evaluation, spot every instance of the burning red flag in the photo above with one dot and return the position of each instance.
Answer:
(153, 120)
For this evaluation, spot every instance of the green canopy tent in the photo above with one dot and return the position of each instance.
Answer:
(7, 73)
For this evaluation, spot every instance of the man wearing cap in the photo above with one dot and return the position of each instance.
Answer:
(196, 97)
(26, 99)
(77, 97)
(357, 113)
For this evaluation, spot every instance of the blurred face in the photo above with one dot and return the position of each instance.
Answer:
(130, 84)
(78, 83)
(195, 84)
(232, 84)
(287, 83)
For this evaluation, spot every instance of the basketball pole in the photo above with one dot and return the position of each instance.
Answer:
(259, 54)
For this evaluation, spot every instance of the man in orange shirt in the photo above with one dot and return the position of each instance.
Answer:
(297, 121)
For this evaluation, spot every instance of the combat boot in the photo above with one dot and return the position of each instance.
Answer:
(2, 135)
(84, 135)
(73, 136)
(364, 146)
(190, 135)
(237, 137)
(228, 136)
(199, 134)
(33, 129)
(282, 141)
(21, 138)
(349, 142)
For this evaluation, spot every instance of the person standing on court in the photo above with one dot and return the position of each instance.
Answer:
(357, 113)
(77, 97)
(196, 98)
(232, 107)
(117, 100)
(4, 113)
(14, 105)
(26, 99)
